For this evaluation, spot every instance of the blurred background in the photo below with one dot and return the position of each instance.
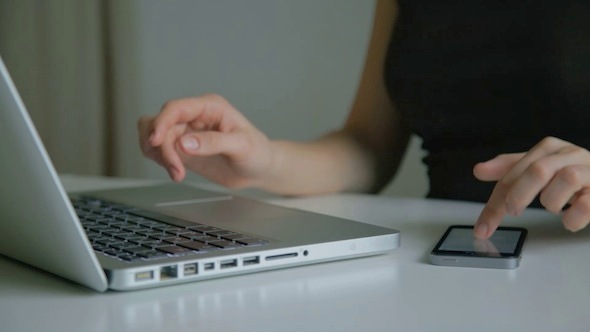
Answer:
(87, 70)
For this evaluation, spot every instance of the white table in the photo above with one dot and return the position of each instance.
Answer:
(400, 291)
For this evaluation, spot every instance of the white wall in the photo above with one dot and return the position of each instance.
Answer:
(290, 66)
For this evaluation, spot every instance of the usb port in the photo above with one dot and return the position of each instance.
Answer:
(252, 260)
(209, 266)
(190, 269)
(144, 275)
(228, 263)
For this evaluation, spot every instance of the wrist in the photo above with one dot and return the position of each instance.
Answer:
(271, 177)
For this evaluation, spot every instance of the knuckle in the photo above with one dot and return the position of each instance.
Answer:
(503, 156)
(583, 205)
(574, 151)
(539, 170)
(504, 183)
(549, 203)
(577, 150)
(213, 97)
(550, 142)
(570, 174)
(578, 216)
(168, 105)
(512, 200)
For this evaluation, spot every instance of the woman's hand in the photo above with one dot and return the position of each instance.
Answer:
(556, 170)
(206, 135)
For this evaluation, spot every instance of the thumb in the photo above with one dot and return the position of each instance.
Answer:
(209, 143)
(494, 169)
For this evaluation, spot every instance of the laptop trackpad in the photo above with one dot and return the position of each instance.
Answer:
(160, 195)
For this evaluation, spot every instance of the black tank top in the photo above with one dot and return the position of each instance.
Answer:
(478, 78)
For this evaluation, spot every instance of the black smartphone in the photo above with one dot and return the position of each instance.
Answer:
(459, 247)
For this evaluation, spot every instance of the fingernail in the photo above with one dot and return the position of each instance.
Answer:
(481, 230)
(190, 143)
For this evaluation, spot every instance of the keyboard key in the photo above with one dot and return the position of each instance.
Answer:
(223, 244)
(152, 254)
(123, 246)
(234, 236)
(138, 250)
(219, 233)
(151, 243)
(174, 250)
(128, 257)
(166, 219)
(252, 241)
(206, 239)
(175, 239)
(99, 247)
(203, 228)
(134, 228)
(152, 233)
(168, 228)
(198, 246)
(109, 241)
(111, 252)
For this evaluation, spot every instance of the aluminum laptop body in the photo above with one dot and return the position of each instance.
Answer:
(40, 226)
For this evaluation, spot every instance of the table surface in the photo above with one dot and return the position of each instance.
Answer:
(399, 291)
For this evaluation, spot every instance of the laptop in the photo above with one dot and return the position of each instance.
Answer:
(154, 235)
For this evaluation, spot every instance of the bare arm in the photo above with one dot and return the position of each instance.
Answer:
(209, 136)
(365, 153)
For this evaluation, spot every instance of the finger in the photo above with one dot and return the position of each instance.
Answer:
(516, 201)
(578, 215)
(202, 112)
(540, 172)
(144, 129)
(494, 169)
(485, 246)
(500, 203)
(563, 188)
(546, 147)
(172, 113)
(492, 213)
(170, 158)
(175, 168)
(208, 143)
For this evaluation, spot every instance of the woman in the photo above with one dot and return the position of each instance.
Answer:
(475, 80)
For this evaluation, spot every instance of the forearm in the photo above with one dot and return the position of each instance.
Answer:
(333, 163)
(364, 155)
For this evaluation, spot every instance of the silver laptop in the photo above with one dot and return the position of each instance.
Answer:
(142, 237)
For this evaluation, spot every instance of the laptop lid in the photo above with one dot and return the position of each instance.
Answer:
(40, 226)
(37, 226)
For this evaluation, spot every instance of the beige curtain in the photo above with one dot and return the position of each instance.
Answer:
(56, 53)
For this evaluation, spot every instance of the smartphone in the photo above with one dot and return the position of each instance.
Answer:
(459, 247)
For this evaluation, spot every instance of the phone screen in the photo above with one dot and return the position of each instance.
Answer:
(506, 241)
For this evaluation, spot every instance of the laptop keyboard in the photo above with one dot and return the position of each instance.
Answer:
(132, 234)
